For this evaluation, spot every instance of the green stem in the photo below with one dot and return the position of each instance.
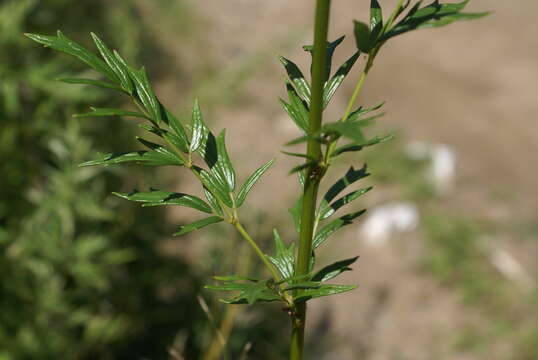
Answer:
(313, 173)
(258, 251)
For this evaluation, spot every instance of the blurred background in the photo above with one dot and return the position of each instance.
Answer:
(448, 253)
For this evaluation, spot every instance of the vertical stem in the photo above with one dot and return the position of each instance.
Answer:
(313, 174)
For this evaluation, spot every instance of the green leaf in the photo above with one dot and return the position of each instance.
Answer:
(119, 69)
(303, 285)
(304, 166)
(357, 146)
(284, 257)
(331, 46)
(349, 178)
(198, 225)
(296, 109)
(326, 209)
(433, 15)
(323, 290)
(198, 128)
(98, 112)
(250, 292)
(224, 164)
(357, 114)
(159, 149)
(62, 43)
(216, 186)
(362, 36)
(158, 197)
(213, 201)
(297, 78)
(148, 158)
(376, 20)
(330, 228)
(179, 136)
(350, 130)
(146, 94)
(304, 156)
(250, 181)
(98, 83)
(335, 82)
(331, 271)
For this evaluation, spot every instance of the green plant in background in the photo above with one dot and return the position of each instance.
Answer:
(74, 283)
(294, 277)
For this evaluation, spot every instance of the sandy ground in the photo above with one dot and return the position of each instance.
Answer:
(471, 86)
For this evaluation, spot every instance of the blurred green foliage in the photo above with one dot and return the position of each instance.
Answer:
(77, 283)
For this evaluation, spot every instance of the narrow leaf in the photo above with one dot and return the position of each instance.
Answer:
(146, 94)
(179, 136)
(158, 197)
(213, 201)
(297, 78)
(349, 178)
(333, 226)
(98, 83)
(117, 67)
(357, 146)
(250, 181)
(323, 290)
(335, 82)
(198, 225)
(62, 43)
(331, 271)
(224, 164)
(197, 127)
(148, 158)
(284, 257)
(98, 112)
(376, 19)
(327, 210)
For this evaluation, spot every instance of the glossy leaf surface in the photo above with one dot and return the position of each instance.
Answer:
(331, 271)
(284, 257)
(158, 197)
(250, 181)
(333, 226)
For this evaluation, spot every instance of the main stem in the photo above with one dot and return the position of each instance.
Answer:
(313, 173)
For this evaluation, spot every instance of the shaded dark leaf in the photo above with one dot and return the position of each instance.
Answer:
(297, 78)
(323, 290)
(331, 271)
(333, 226)
(349, 178)
(335, 82)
